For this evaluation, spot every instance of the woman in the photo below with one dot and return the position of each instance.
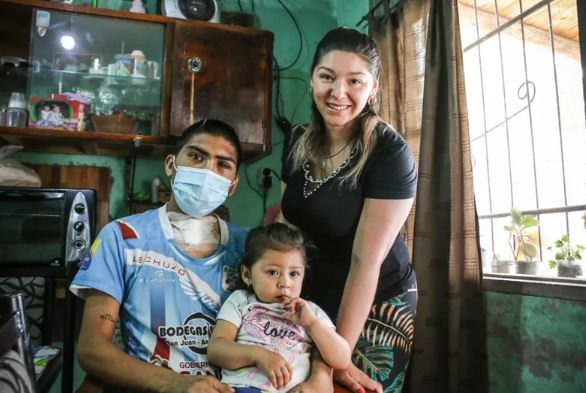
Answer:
(349, 181)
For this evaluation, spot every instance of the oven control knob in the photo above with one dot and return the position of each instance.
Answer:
(79, 244)
(78, 226)
(79, 208)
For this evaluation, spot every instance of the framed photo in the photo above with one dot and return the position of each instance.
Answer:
(75, 62)
(49, 113)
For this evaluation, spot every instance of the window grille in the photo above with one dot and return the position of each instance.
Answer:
(525, 94)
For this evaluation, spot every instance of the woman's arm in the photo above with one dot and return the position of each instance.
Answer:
(371, 245)
(101, 358)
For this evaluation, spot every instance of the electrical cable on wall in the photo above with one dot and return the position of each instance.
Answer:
(280, 119)
(274, 173)
(267, 184)
(298, 32)
(305, 89)
(247, 177)
(282, 122)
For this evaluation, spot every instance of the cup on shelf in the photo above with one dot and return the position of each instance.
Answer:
(139, 63)
(124, 65)
(16, 100)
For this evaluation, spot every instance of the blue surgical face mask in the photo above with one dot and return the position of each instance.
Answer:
(198, 192)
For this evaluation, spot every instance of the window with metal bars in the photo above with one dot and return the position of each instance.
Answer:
(525, 94)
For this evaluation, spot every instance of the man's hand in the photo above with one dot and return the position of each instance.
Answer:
(199, 384)
(355, 380)
(274, 366)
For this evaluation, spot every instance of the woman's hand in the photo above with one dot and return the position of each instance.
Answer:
(354, 379)
(299, 312)
(274, 366)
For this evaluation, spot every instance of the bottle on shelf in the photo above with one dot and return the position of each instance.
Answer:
(16, 114)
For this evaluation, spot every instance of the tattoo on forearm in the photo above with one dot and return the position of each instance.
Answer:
(107, 317)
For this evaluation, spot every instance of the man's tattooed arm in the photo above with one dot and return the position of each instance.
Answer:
(107, 317)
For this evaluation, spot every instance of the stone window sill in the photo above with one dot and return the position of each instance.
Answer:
(555, 287)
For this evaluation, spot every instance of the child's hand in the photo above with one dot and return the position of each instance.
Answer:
(275, 367)
(298, 312)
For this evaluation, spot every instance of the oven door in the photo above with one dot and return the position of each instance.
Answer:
(32, 227)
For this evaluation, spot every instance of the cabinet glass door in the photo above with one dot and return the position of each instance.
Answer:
(93, 73)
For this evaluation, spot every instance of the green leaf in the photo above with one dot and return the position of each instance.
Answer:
(516, 215)
(529, 221)
(528, 250)
(552, 264)
(376, 361)
(397, 384)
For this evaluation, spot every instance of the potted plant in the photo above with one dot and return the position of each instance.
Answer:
(520, 241)
(568, 258)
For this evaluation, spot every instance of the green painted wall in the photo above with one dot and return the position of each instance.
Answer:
(348, 13)
(535, 344)
(146, 169)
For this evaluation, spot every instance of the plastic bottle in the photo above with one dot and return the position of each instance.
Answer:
(16, 114)
(155, 190)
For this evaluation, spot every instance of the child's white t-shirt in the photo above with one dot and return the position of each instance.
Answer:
(262, 324)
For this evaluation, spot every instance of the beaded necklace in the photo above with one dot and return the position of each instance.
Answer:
(311, 185)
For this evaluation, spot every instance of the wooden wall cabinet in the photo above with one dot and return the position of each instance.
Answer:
(223, 72)
(206, 71)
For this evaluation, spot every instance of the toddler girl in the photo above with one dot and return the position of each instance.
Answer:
(264, 334)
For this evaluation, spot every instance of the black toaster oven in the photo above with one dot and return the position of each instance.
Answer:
(48, 227)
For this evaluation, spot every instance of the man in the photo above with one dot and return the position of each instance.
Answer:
(164, 273)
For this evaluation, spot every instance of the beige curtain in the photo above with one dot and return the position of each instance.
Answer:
(403, 52)
(424, 99)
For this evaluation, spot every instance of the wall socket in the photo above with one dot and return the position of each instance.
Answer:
(266, 178)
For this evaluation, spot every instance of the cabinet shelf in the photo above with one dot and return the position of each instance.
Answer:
(135, 81)
(102, 143)
(87, 142)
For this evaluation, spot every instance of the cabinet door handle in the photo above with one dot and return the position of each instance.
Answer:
(194, 65)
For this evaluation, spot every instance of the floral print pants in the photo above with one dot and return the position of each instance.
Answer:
(384, 347)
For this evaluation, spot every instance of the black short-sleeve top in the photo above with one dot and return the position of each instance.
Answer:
(330, 215)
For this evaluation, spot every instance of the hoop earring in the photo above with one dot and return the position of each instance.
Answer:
(370, 101)
(311, 89)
